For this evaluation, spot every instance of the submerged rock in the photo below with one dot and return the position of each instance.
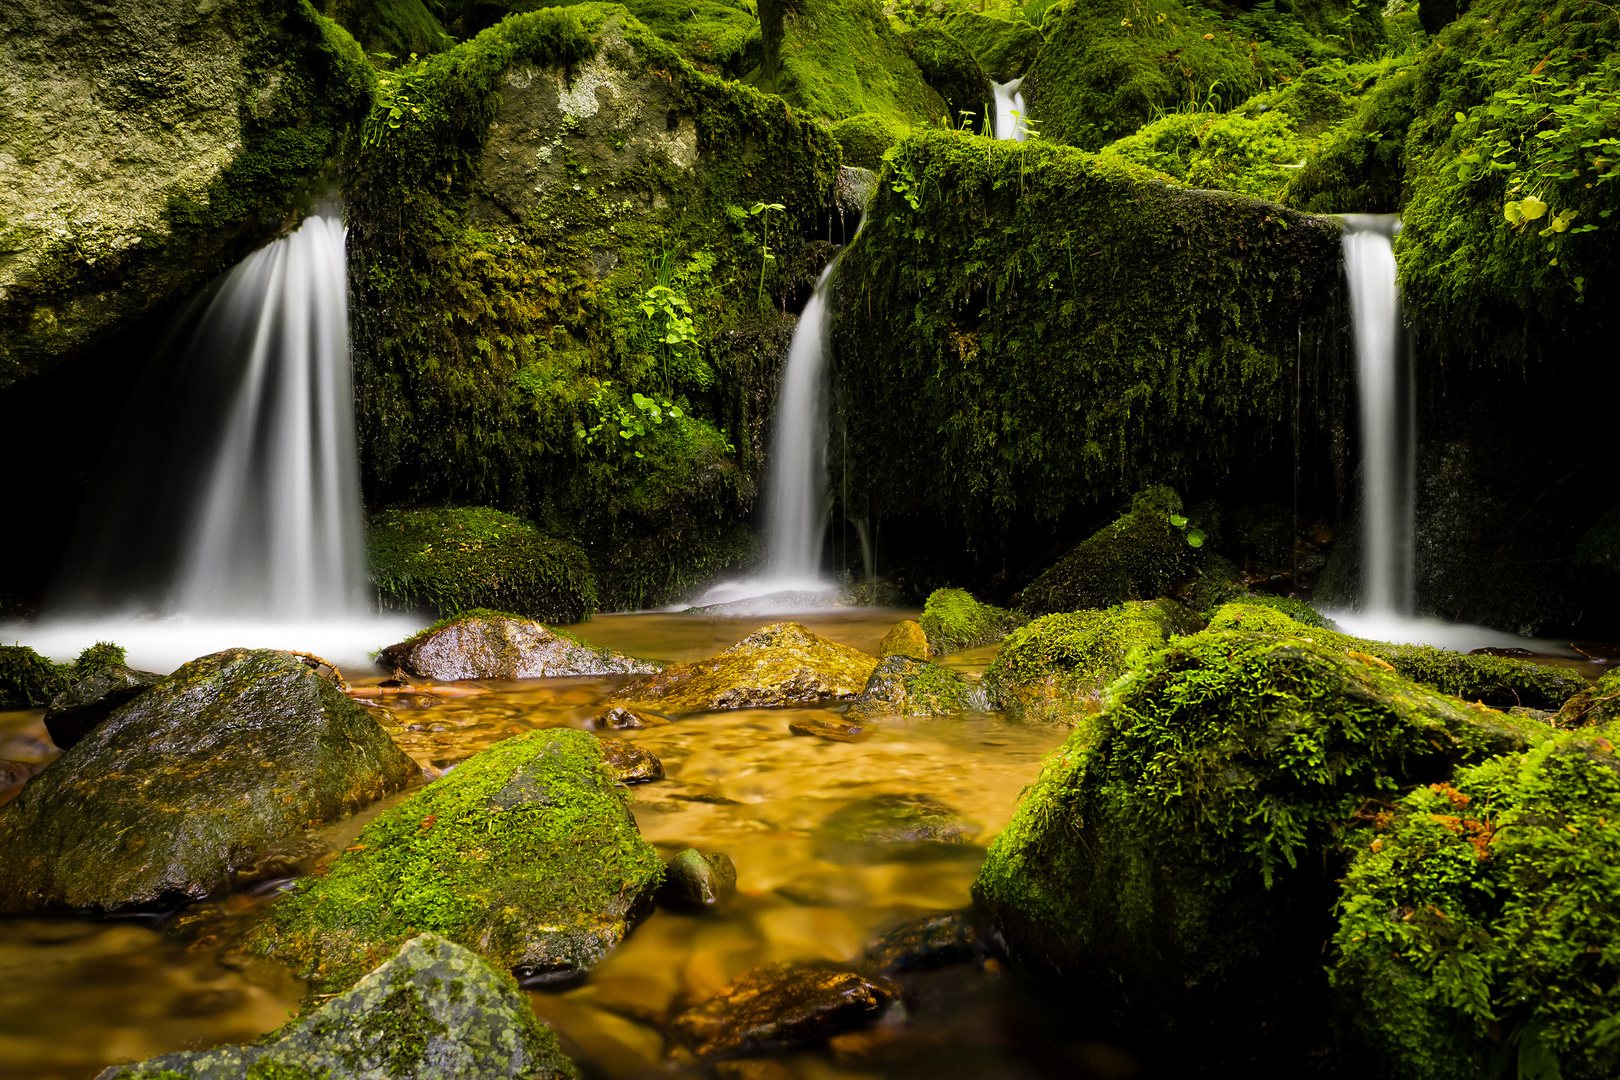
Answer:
(901, 686)
(435, 1010)
(1179, 852)
(928, 942)
(493, 645)
(906, 639)
(76, 711)
(13, 773)
(781, 1005)
(632, 764)
(693, 880)
(780, 664)
(952, 620)
(526, 853)
(192, 781)
(620, 718)
(898, 821)
(835, 728)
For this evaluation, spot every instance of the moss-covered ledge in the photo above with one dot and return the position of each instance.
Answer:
(1030, 327)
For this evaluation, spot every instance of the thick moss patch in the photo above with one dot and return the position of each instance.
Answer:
(526, 853)
(951, 69)
(841, 57)
(1005, 48)
(952, 620)
(904, 686)
(1140, 556)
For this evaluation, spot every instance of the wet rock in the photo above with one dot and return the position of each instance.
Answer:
(620, 718)
(953, 621)
(526, 853)
(901, 686)
(906, 639)
(434, 1010)
(632, 764)
(1591, 705)
(898, 821)
(194, 779)
(76, 711)
(693, 880)
(928, 942)
(830, 727)
(489, 646)
(16, 772)
(781, 664)
(781, 1005)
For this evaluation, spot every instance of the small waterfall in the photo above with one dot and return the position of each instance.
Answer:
(1010, 110)
(1388, 424)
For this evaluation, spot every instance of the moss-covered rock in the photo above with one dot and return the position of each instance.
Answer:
(28, 679)
(1005, 48)
(865, 137)
(952, 620)
(695, 881)
(454, 559)
(76, 711)
(902, 686)
(1056, 668)
(1142, 555)
(1179, 852)
(434, 1010)
(190, 783)
(1592, 705)
(631, 763)
(142, 161)
(526, 853)
(841, 57)
(780, 664)
(1478, 928)
(390, 31)
(1358, 165)
(482, 644)
(906, 639)
(951, 69)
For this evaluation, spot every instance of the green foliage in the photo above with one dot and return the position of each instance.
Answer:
(951, 69)
(1357, 166)
(94, 658)
(840, 58)
(865, 138)
(454, 560)
(1140, 556)
(27, 679)
(1478, 929)
(1005, 48)
(1167, 321)
(952, 620)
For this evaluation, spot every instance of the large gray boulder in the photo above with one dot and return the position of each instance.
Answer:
(436, 1010)
(489, 646)
(189, 784)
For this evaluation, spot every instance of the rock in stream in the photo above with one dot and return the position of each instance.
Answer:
(480, 646)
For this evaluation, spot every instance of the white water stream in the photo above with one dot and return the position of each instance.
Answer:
(1009, 123)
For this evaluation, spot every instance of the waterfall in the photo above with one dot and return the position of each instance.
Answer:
(1388, 426)
(1009, 110)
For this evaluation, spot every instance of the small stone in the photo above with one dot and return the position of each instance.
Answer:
(906, 639)
(782, 1005)
(827, 727)
(622, 718)
(931, 941)
(633, 764)
(693, 880)
(76, 711)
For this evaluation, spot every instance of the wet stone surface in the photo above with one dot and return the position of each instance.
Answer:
(631, 763)
(829, 726)
(77, 711)
(898, 819)
(622, 718)
(929, 942)
(695, 881)
(782, 1005)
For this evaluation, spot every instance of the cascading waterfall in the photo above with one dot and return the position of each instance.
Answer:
(1388, 424)
(1010, 113)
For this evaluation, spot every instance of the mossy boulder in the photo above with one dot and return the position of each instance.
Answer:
(1478, 926)
(952, 620)
(391, 30)
(1179, 852)
(454, 559)
(435, 1009)
(1592, 705)
(526, 853)
(906, 639)
(841, 57)
(1057, 668)
(902, 686)
(482, 644)
(76, 711)
(149, 158)
(188, 784)
(865, 137)
(780, 664)
(27, 679)
(951, 69)
(1143, 554)
(1005, 48)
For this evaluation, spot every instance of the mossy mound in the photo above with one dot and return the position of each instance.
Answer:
(841, 57)
(482, 644)
(1180, 851)
(186, 786)
(1501, 682)
(780, 664)
(1478, 926)
(390, 31)
(1005, 48)
(1057, 668)
(27, 679)
(526, 853)
(952, 621)
(1142, 555)
(1592, 706)
(865, 138)
(902, 686)
(717, 36)
(1358, 165)
(455, 559)
(433, 1010)
(951, 69)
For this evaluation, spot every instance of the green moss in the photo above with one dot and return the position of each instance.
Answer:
(952, 620)
(1005, 48)
(27, 679)
(1358, 165)
(1594, 705)
(1478, 928)
(951, 69)
(1138, 557)
(95, 657)
(391, 29)
(840, 58)
(525, 853)
(908, 686)
(455, 560)
(865, 138)
(1032, 329)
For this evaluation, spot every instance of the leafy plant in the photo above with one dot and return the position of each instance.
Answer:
(763, 211)
(1195, 536)
(626, 420)
(670, 318)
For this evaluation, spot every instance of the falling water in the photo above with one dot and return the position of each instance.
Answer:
(1010, 110)
(1384, 385)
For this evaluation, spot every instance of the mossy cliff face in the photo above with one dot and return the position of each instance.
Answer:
(190, 783)
(433, 1010)
(563, 305)
(147, 145)
(1180, 851)
(526, 853)
(1032, 328)
(841, 57)
(1478, 927)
